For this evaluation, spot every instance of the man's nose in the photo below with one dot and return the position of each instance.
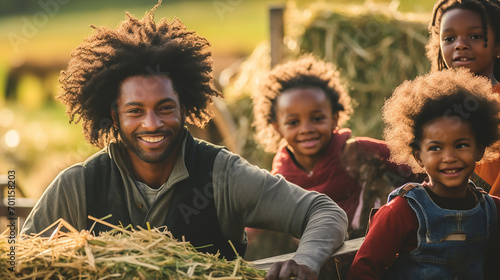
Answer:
(152, 121)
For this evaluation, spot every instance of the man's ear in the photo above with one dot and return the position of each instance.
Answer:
(114, 116)
(418, 159)
(183, 113)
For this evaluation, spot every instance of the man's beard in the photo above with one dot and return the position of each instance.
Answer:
(137, 150)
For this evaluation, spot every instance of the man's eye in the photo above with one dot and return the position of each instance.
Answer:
(166, 108)
(134, 111)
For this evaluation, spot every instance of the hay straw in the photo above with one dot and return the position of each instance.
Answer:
(116, 254)
(375, 47)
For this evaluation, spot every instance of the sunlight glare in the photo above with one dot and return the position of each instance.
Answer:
(12, 138)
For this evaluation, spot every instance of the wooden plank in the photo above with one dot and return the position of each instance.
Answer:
(20, 211)
(336, 267)
(3, 180)
(277, 33)
(20, 204)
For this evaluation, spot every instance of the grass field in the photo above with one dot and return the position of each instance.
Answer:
(231, 26)
(236, 28)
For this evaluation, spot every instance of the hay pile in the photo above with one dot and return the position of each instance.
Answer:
(117, 254)
(375, 47)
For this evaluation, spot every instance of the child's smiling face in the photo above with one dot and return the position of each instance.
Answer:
(448, 153)
(462, 42)
(306, 121)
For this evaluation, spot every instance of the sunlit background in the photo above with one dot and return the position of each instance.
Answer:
(38, 36)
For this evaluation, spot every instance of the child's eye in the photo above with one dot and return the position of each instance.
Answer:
(434, 148)
(476, 36)
(291, 123)
(462, 145)
(318, 119)
(449, 39)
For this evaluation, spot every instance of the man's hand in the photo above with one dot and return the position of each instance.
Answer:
(290, 270)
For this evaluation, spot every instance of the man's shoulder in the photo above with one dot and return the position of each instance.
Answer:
(103, 154)
(208, 145)
(78, 169)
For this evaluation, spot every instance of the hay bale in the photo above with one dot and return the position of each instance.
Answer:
(374, 46)
(117, 254)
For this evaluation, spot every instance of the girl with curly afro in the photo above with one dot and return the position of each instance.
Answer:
(466, 33)
(298, 114)
(444, 227)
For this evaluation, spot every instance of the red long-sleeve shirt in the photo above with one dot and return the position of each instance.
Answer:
(490, 171)
(393, 229)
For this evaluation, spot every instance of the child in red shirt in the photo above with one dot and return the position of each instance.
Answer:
(441, 123)
(298, 114)
(466, 33)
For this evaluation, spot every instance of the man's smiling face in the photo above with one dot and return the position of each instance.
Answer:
(149, 118)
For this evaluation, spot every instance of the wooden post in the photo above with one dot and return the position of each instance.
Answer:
(276, 33)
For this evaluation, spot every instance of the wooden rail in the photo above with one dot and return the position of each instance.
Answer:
(335, 268)
(19, 204)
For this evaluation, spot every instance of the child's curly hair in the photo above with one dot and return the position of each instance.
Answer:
(489, 10)
(306, 71)
(90, 83)
(451, 93)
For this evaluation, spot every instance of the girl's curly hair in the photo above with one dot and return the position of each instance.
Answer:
(306, 71)
(451, 93)
(489, 10)
(90, 84)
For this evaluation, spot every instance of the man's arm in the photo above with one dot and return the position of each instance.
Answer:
(247, 196)
(64, 198)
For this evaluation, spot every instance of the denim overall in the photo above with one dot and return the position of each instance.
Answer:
(452, 244)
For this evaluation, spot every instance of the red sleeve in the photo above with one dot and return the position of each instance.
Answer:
(493, 258)
(393, 229)
(398, 174)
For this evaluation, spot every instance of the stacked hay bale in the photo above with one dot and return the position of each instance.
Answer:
(375, 47)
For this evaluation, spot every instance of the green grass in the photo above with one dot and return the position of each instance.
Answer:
(231, 26)
(235, 28)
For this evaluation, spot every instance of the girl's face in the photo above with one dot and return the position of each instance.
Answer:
(462, 42)
(448, 153)
(306, 121)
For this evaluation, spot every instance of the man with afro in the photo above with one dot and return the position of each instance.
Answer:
(133, 88)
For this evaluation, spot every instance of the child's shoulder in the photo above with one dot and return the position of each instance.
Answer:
(397, 208)
(403, 190)
(368, 144)
(496, 199)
